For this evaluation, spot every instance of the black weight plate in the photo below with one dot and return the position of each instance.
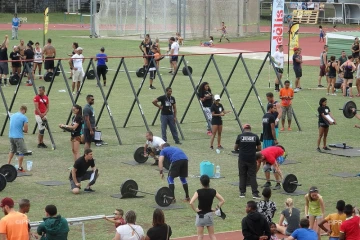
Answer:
(140, 72)
(66, 129)
(9, 171)
(166, 163)
(347, 109)
(139, 155)
(287, 186)
(3, 182)
(48, 76)
(57, 72)
(126, 188)
(14, 79)
(185, 72)
(90, 75)
(164, 197)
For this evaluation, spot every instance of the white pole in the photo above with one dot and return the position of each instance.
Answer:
(117, 17)
(78, 7)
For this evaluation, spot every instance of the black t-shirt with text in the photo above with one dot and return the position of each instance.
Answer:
(3, 54)
(267, 120)
(82, 166)
(76, 119)
(205, 197)
(325, 110)
(167, 104)
(159, 232)
(248, 142)
(15, 56)
(208, 101)
(147, 46)
(217, 109)
(29, 54)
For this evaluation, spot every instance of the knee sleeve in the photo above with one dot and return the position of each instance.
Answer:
(183, 180)
(350, 85)
(170, 180)
(42, 131)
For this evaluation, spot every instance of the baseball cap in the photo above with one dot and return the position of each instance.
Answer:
(7, 202)
(217, 97)
(79, 48)
(246, 126)
(296, 48)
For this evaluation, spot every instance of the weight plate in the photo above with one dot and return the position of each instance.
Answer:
(164, 197)
(347, 109)
(2, 182)
(166, 163)
(90, 75)
(127, 187)
(287, 183)
(14, 79)
(185, 72)
(139, 155)
(48, 76)
(140, 72)
(66, 129)
(9, 171)
(56, 71)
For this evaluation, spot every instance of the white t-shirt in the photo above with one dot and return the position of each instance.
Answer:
(279, 58)
(77, 61)
(156, 142)
(128, 233)
(37, 56)
(175, 46)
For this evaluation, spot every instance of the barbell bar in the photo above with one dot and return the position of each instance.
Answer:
(163, 196)
(349, 109)
(289, 183)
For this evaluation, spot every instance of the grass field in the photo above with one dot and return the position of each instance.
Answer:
(314, 168)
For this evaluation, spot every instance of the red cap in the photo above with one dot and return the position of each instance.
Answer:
(296, 48)
(7, 202)
(246, 126)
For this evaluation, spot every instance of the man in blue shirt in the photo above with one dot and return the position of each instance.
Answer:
(18, 126)
(101, 68)
(15, 27)
(303, 233)
(178, 168)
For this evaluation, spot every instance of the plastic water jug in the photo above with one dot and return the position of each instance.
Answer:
(16, 163)
(207, 168)
(217, 172)
(29, 165)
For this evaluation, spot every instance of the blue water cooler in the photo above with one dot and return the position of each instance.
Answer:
(207, 168)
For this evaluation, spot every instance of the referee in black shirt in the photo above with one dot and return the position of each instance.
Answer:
(247, 144)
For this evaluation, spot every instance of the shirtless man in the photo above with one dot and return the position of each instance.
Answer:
(49, 54)
(22, 48)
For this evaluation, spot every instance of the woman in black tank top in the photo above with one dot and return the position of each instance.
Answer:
(333, 68)
(348, 67)
(355, 48)
(204, 217)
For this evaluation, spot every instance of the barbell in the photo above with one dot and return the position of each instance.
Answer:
(349, 109)
(289, 183)
(163, 196)
(8, 173)
(140, 158)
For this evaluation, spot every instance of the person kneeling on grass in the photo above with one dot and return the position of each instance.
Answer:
(80, 172)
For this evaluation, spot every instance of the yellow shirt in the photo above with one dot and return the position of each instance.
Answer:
(335, 221)
(314, 206)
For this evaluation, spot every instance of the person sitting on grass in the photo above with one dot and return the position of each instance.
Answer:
(267, 207)
(54, 226)
(292, 217)
(273, 231)
(118, 218)
(210, 43)
(303, 233)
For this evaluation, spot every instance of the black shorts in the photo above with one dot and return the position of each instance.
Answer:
(179, 169)
(87, 137)
(49, 64)
(152, 74)
(323, 125)
(215, 121)
(337, 85)
(298, 72)
(174, 58)
(280, 70)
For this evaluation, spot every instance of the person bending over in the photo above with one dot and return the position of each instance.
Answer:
(154, 143)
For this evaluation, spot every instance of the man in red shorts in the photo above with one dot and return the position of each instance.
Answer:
(41, 102)
(268, 157)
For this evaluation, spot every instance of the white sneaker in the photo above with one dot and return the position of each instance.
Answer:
(333, 94)
(296, 90)
(74, 93)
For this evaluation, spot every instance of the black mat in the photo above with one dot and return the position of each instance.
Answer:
(51, 183)
(288, 162)
(118, 195)
(170, 207)
(23, 174)
(339, 145)
(344, 174)
(296, 193)
(355, 152)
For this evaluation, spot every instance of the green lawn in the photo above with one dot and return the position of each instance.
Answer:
(314, 168)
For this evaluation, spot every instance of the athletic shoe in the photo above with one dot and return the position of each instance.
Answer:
(211, 147)
(220, 147)
(21, 169)
(170, 71)
(242, 195)
(43, 145)
(155, 163)
(256, 196)
(318, 149)
(333, 94)
(320, 86)
(277, 187)
(296, 90)
(186, 199)
(152, 87)
(40, 146)
(88, 190)
(178, 142)
(267, 184)
(326, 148)
(209, 133)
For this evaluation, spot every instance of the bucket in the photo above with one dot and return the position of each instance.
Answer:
(29, 165)
(207, 168)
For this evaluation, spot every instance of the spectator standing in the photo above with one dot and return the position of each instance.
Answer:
(174, 51)
(304, 232)
(18, 126)
(89, 121)
(153, 59)
(37, 59)
(267, 207)
(130, 230)
(217, 112)
(75, 45)
(324, 123)
(342, 58)
(350, 228)
(323, 62)
(268, 123)
(15, 24)
(333, 68)
(204, 217)
(286, 96)
(297, 61)
(206, 98)
(76, 62)
(334, 220)
(247, 143)
(160, 230)
(13, 225)
(49, 54)
(355, 49)
(4, 66)
(118, 218)
(42, 105)
(277, 113)
(292, 217)
(168, 114)
(279, 66)
(16, 64)
(54, 226)
(101, 67)
(254, 225)
(28, 63)
(348, 68)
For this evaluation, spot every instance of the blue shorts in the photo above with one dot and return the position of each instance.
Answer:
(174, 58)
(268, 143)
(277, 132)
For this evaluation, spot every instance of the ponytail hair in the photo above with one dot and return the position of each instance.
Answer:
(289, 204)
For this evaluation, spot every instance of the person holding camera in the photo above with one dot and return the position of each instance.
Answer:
(42, 104)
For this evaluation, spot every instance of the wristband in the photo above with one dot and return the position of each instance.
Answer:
(161, 172)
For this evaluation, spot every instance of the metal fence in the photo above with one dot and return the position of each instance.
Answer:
(31, 6)
(191, 18)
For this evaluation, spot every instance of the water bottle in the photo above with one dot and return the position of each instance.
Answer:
(217, 172)
(16, 163)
